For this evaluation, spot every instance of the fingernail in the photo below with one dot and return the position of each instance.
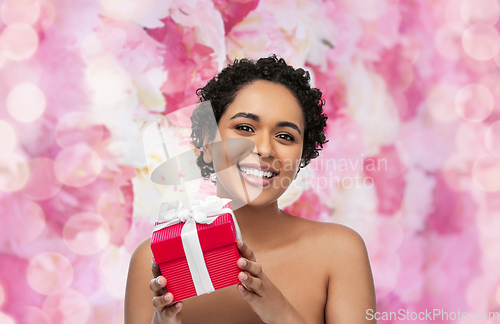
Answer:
(240, 243)
(167, 297)
(158, 282)
(177, 305)
(243, 262)
(244, 276)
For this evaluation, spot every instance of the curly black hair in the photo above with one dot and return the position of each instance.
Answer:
(221, 90)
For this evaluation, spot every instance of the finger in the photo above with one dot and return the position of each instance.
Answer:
(173, 310)
(245, 251)
(155, 268)
(165, 306)
(254, 268)
(249, 296)
(252, 284)
(158, 286)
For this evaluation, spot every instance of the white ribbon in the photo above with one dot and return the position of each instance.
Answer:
(203, 212)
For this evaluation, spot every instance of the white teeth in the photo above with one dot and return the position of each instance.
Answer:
(257, 173)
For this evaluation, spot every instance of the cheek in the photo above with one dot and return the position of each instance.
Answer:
(290, 158)
(230, 151)
(219, 157)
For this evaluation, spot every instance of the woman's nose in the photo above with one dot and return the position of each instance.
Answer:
(264, 146)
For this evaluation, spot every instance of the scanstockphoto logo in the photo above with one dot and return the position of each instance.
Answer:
(341, 164)
(341, 173)
(346, 173)
(435, 314)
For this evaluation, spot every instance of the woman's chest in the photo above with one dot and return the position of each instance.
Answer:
(299, 279)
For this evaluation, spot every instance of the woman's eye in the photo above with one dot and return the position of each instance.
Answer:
(244, 128)
(247, 128)
(287, 137)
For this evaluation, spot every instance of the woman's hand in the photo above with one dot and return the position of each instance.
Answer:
(265, 299)
(165, 311)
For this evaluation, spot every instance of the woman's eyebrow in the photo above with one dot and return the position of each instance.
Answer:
(289, 124)
(257, 119)
(246, 115)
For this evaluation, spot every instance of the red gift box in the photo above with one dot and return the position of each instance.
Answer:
(218, 243)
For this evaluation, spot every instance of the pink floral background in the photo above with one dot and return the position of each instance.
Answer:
(414, 84)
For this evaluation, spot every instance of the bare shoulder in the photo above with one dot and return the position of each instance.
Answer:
(341, 238)
(335, 242)
(351, 292)
(342, 253)
(138, 306)
(140, 267)
(336, 237)
(143, 250)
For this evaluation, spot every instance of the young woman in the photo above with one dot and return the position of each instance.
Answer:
(293, 270)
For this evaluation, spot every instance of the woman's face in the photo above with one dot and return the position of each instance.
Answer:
(263, 133)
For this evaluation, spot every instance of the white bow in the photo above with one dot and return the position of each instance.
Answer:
(204, 212)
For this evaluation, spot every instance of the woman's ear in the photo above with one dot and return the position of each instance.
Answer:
(207, 151)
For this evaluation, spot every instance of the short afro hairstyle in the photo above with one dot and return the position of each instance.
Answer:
(221, 90)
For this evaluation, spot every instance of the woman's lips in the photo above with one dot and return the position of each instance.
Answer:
(259, 182)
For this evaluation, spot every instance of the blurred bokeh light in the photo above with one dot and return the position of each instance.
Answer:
(6, 319)
(86, 233)
(26, 102)
(492, 138)
(18, 42)
(19, 11)
(30, 217)
(456, 172)
(486, 172)
(114, 268)
(78, 127)
(77, 166)
(14, 172)
(474, 102)
(481, 42)
(35, 315)
(480, 11)
(8, 136)
(441, 103)
(68, 306)
(49, 273)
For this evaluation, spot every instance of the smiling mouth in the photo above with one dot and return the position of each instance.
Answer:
(257, 174)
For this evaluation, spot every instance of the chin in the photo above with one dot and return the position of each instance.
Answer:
(257, 203)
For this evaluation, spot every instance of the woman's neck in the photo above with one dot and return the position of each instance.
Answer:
(262, 227)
